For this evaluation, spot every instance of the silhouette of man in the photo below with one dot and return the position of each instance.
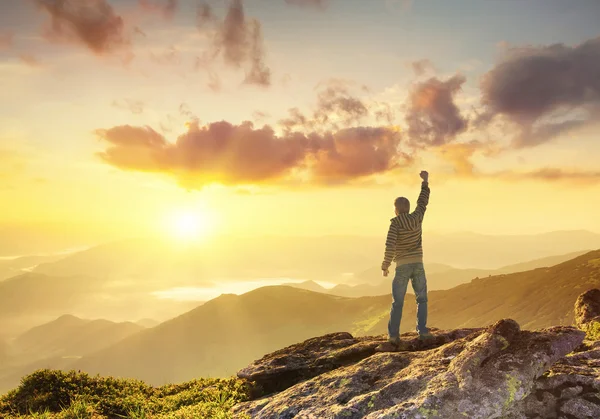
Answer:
(404, 246)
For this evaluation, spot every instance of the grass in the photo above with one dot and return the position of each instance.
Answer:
(51, 394)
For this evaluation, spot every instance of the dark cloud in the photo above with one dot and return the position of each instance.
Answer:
(238, 40)
(166, 8)
(320, 4)
(432, 116)
(91, 22)
(531, 85)
(242, 154)
(204, 14)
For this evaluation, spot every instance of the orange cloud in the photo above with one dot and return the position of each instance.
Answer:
(6, 40)
(230, 154)
(433, 118)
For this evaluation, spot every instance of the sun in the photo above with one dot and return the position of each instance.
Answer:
(190, 224)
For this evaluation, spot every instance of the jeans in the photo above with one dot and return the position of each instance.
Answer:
(416, 273)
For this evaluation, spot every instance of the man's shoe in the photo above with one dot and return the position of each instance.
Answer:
(427, 336)
(399, 344)
(392, 345)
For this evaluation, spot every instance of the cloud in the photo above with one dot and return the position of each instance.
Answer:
(421, 67)
(432, 116)
(335, 100)
(460, 155)
(93, 23)
(30, 60)
(238, 40)
(230, 154)
(6, 40)
(166, 8)
(551, 174)
(338, 105)
(531, 85)
(320, 4)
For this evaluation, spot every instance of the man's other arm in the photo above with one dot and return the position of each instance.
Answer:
(390, 245)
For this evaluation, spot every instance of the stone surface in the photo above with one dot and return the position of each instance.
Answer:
(281, 369)
(485, 373)
(587, 313)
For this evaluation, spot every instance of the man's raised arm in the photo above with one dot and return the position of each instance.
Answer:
(423, 199)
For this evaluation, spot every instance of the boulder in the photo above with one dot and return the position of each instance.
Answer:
(587, 313)
(475, 373)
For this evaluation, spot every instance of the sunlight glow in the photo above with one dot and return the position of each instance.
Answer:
(191, 224)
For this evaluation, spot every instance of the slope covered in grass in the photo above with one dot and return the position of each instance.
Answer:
(53, 394)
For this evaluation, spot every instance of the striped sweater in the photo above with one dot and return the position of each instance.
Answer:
(404, 244)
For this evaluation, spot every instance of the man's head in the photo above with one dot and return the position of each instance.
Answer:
(402, 205)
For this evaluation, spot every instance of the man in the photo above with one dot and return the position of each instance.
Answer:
(404, 246)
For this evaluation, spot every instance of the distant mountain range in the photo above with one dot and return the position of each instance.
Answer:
(57, 343)
(228, 332)
(439, 277)
(338, 259)
(32, 298)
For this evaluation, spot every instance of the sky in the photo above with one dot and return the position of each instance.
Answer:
(298, 117)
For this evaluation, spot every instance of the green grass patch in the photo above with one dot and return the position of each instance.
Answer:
(51, 394)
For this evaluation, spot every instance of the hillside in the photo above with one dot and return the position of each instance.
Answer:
(220, 336)
(17, 266)
(480, 373)
(71, 336)
(32, 299)
(224, 334)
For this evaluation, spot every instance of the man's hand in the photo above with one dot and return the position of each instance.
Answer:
(386, 272)
(424, 175)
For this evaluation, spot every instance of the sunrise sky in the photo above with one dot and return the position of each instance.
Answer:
(299, 117)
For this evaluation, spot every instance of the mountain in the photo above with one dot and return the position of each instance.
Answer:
(56, 344)
(483, 251)
(227, 332)
(17, 266)
(220, 336)
(442, 277)
(32, 298)
(479, 373)
(71, 336)
(155, 262)
(310, 286)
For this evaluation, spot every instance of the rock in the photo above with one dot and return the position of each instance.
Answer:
(581, 409)
(572, 381)
(570, 392)
(587, 313)
(485, 373)
(288, 366)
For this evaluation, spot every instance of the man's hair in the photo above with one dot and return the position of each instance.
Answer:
(402, 204)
